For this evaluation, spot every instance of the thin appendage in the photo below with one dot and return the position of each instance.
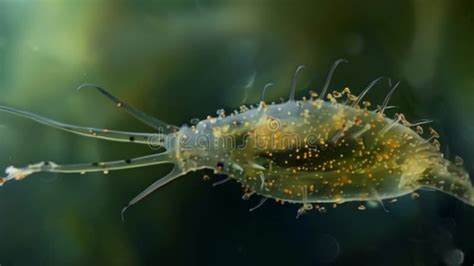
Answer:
(293, 83)
(329, 77)
(419, 123)
(387, 127)
(361, 131)
(379, 199)
(173, 175)
(383, 205)
(262, 201)
(221, 182)
(141, 116)
(367, 89)
(105, 167)
(113, 135)
(247, 195)
(268, 85)
(389, 95)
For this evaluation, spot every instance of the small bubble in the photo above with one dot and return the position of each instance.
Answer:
(415, 195)
(362, 207)
(322, 209)
(454, 257)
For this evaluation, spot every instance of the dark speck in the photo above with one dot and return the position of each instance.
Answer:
(132, 138)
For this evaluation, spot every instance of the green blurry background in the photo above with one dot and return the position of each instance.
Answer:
(180, 60)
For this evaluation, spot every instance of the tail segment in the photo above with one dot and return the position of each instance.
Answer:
(450, 179)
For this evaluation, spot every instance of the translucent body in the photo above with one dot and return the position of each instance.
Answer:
(305, 151)
(317, 151)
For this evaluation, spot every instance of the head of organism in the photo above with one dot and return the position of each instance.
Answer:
(329, 148)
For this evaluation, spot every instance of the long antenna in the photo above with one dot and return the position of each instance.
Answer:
(329, 77)
(293, 83)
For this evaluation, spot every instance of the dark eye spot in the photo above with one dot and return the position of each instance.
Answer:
(45, 163)
(95, 164)
(128, 161)
(132, 138)
(220, 165)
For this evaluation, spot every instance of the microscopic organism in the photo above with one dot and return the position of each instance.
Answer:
(331, 147)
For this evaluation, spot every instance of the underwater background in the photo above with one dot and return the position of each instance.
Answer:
(180, 60)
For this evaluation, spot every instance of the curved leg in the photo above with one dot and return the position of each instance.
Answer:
(171, 176)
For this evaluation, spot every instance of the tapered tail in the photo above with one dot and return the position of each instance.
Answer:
(450, 179)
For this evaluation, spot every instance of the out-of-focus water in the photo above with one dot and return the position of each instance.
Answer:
(183, 59)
